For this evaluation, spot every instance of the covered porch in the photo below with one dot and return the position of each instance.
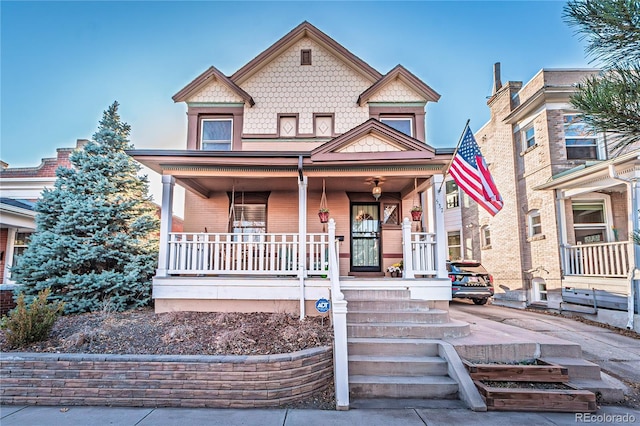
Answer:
(254, 240)
(597, 210)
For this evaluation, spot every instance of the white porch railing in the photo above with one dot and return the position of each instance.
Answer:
(603, 260)
(418, 252)
(245, 253)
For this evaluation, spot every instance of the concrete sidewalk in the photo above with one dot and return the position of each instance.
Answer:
(53, 416)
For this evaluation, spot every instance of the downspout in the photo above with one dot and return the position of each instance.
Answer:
(302, 233)
(631, 186)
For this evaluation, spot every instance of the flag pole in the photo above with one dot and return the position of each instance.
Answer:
(454, 153)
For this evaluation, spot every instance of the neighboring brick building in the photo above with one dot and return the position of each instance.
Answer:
(535, 137)
(20, 187)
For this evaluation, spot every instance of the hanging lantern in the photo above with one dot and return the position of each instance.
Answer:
(376, 191)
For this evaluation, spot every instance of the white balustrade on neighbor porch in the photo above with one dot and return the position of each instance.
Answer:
(245, 253)
(602, 260)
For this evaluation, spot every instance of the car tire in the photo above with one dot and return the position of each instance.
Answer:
(481, 301)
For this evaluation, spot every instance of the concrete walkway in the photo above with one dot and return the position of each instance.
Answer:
(95, 416)
(617, 355)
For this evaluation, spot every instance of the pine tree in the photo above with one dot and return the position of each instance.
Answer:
(96, 230)
(610, 101)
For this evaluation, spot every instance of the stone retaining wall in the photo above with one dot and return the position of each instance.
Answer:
(164, 380)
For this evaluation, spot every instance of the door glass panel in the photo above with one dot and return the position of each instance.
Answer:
(365, 237)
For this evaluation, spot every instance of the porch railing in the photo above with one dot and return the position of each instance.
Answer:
(603, 260)
(245, 253)
(423, 254)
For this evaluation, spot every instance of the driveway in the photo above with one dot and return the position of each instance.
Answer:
(616, 354)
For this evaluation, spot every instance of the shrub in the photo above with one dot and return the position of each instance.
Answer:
(31, 324)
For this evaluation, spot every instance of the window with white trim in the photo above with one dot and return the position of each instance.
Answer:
(580, 139)
(485, 236)
(589, 222)
(401, 124)
(534, 223)
(20, 243)
(454, 244)
(452, 194)
(216, 134)
(528, 137)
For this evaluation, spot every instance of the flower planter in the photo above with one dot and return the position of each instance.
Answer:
(529, 398)
(540, 386)
(324, 217)
(416, 215)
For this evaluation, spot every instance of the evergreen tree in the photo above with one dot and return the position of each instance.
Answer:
(96, 230)
(610, 101)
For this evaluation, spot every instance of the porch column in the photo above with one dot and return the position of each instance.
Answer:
(302, 235)
(562, 228)
(166, 215)
(438, 225)
(8, 255)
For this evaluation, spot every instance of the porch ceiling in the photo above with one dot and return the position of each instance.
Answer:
(205, 185)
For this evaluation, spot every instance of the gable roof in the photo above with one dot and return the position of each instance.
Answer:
(305, 29)
(401, 73)
(408, 148)
(205, 78)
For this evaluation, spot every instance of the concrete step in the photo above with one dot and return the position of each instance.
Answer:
(428, 317)
(428, 387)
(409, 330)
(393, 347)
(373, 365)
(578, 368)
(566, 349)
(607, 389)
(387, 295)
(388, 305)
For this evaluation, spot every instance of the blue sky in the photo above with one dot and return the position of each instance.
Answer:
(63, 63)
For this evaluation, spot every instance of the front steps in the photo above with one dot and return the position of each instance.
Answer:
(390, 354)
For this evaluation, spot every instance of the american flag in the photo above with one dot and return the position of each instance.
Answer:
(470, 172)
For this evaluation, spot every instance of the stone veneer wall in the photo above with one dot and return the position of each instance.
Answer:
(164, 380)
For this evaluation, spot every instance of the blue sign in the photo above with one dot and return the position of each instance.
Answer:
(323, 305)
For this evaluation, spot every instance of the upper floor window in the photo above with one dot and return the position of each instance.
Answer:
(528, 137)
(453, 196)
(580, 139)
(401, 124)
(216, 134)
(534, 223)
(305, 57)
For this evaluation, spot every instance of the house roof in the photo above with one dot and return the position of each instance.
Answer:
(400, 73)
(305, 29)
(21, 204)
(207, 77)
(579, 174)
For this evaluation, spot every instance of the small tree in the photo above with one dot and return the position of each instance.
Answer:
(611, 101)
(28, 324)
(96, 230)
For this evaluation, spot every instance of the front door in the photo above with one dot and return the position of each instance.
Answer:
(365, 237)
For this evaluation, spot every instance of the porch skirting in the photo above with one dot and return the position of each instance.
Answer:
(277, 295)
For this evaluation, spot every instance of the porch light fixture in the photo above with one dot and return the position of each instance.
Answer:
(376, 191)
